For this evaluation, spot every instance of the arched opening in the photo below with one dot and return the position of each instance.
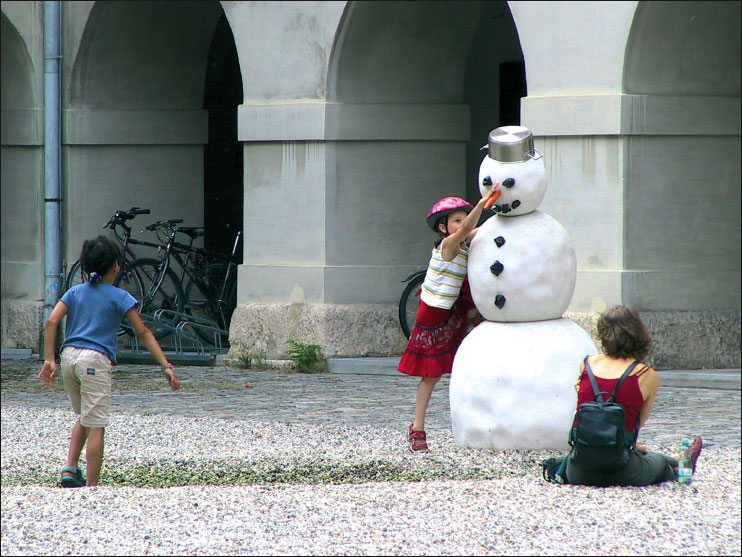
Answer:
(426, 81)
(684, 48)
(21, 169)
(682, 187)
(152, 100)
(18, 90)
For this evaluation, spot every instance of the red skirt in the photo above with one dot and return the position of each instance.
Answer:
(435, 338)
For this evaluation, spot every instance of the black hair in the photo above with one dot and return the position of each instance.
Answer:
(97, 257)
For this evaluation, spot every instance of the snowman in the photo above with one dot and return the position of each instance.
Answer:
(512, 383)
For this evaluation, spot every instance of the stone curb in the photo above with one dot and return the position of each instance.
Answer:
(724, 379)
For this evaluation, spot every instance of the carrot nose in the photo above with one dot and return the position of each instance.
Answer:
(491, 200)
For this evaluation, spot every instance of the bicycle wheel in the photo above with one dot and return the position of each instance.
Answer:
(409, 303)
(75, 276)
(199, 304)
(168, 296)
(129, 281)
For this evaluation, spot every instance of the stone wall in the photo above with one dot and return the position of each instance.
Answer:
(341, 330)
(22, 324)
(682, 339)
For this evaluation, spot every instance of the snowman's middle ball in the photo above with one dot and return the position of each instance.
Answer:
(522, 268)
(523, 184)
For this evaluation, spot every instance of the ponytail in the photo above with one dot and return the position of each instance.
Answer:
(97, 257)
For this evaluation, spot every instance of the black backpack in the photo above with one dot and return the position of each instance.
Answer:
(599, 440)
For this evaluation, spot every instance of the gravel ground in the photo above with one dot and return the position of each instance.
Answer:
(267, 488)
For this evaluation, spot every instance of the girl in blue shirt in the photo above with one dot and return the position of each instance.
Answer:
(94, 311)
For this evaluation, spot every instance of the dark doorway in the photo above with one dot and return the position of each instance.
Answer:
(512, 89)
(494, 83)
(223, 176)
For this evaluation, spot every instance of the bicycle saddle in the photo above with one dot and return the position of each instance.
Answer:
(192, 231)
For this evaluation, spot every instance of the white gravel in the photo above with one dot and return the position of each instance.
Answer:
(515, 513)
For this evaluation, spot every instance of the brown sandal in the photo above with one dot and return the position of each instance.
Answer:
(417, 440)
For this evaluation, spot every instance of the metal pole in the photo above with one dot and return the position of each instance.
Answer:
(52, 116)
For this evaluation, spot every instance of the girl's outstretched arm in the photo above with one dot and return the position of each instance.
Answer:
(49, 369)
(450, 246)
(146, 337)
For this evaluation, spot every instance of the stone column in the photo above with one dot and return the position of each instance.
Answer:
(327, 189)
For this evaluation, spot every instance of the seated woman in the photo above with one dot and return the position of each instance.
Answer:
(625, 340)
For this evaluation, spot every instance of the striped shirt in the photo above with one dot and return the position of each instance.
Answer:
(444, 278)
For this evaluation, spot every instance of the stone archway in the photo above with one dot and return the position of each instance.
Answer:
(22, 192)
(682, 200)
(410, 83)
(135, 125)
(682, 180)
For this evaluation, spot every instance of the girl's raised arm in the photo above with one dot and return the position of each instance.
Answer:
(450, 246)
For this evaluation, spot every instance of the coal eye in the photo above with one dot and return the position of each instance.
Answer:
(487, 181)
(509, 182)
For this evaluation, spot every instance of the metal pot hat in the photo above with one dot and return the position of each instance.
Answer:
(512, 144)
(444, 207)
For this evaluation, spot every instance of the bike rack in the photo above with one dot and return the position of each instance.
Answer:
(181, 344)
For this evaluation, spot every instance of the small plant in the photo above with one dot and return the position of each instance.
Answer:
(252, 360)
(307, 357)
(243, 361)
(260, 359)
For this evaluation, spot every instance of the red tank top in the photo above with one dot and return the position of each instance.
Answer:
(629, 395)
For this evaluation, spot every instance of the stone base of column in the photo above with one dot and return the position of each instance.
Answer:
(341, 330)
(682, 339)
(22, 324)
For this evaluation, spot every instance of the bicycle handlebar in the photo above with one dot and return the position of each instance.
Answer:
(163, 223)
(120, 217)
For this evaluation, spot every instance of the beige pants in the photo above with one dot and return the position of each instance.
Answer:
(87, 380)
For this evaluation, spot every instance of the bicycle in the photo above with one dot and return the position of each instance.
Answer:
(153, 283)
(211, 291)
(410, 301)
(203, 295)
(76, 275)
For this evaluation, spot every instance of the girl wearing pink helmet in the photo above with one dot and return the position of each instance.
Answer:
(446, 311)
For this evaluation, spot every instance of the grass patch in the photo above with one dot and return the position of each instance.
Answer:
(251, 360)
(188, 472)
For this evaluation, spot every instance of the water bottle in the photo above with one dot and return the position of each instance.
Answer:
(685, 468)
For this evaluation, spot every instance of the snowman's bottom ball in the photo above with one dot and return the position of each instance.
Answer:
(512, 384)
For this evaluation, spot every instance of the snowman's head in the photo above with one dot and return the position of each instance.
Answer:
(523, 184)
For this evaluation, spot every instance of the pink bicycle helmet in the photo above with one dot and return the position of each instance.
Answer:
(444, 207)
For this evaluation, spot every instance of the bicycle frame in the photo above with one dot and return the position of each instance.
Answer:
(174, 250)
(220, 302)
(125, 249)
(164, 266)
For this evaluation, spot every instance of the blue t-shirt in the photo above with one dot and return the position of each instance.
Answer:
(94, 314)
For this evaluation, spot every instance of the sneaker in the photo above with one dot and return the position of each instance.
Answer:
(695, 451)
(549, 470)
(417, 440)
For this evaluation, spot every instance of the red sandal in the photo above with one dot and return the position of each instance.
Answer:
(417, 440)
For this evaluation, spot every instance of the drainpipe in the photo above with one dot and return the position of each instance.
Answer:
(52, 221)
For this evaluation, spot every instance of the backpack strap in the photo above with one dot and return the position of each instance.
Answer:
(623, 378)
(593, 382)
(596, 388)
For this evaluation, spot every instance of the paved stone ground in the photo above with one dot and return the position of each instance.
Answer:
(515, 512)
(383, 401)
